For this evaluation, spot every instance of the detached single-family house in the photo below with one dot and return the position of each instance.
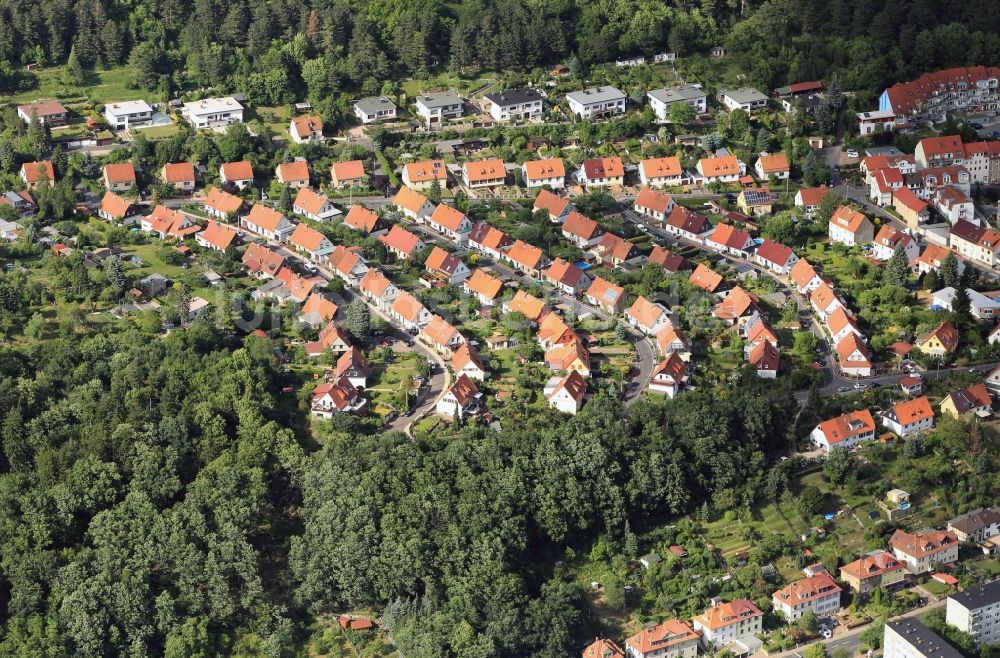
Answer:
(466, 361)
(213, 112)
(307, 240)
(557, 207)
(726, 622)
(217, 237)
(409, 312)
(353, 365)
(421, 176)
(222, 205)
(262, 262)
(809, 198)
(974, 400)
(441, 335)
(445, 267)
(348, 264)
(413, 204)
(484, 173)
(850, 227)
(909, 417)
(745, 98)
(401, 242)
(942, 340)
(646, 316)
(119, 177)
(606, 296)
(515, 104)
(438, 107)
(294, 174)
(602, 172)
(568, 357)
(306, 129)
(38, 173)
(366, 221)
(566, 393)
(566, 276)
(727, 239)
(844, 431)
(330, 399)
(671, 340)
(379, 289)
(805, 277)
(723, 169)
(179, 175)
(581, 231)
(114, 208)
(48, 113)
(660, 172)
(526, 258)
(776, 165)
(267, 222)
(705, 278)
(661, 100)
(550, 171)
(889, 239)
(451, 222)
(376, 108)
(596, 102)
(348, 174)
(654, 204)
(238, 174)
(775, 256)
(461, 400)
(314, 205)
(669, 376)
(484, 287)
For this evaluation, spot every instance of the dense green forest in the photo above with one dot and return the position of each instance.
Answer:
(276, 51)
(154, 501)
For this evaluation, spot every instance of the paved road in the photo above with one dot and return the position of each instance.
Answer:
(848, 639)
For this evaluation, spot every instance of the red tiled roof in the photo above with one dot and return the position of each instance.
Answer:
(399, 239)
(551, 203)
(289, 172)
(178, 172)
(223, 202)
(348, 171)
(653, 199)
(309, 201)
(603, 168)
(362, 219)
(484, 170)
(219, 235)
(235, 171)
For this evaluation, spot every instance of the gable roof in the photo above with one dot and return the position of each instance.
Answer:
(601, 648)
(374, 282)
(123, 172)
(223, 202)
(803, 272)
(483, 170)
(443, 261)
(309, 201)
(465, 354)
(726, 165)
(670, 261)
(670, 335)
(400, 239)
(464, 390)
(440, 330)
(765, 356)
(426, 171)
(525, 254)
(673, 366)
(729, 236)
(737, 303)
(727, 613)
(241, 170)
(448, 216)
(114, 205)
(813, 196)
(563, 356)
(970, 398)
(824, 296)
(362, 219)
(661, 167)
(562, 271)
(178, 172)
(550, 202)
(774, 252)
(483, 284)
(945, 332)
(407, 306)
(774, 163)
(840, 319)
(908, 199)
(666, 634)
(528, 305)
(581, 226)
(259, 258)
(304, 126)
(219, 235)
(847, 426)
(653, 199)
(351, 170)
(873, 564)
(488, 236)
(645, 312)
(353, 359)
(306, 237)
(34, 172)
(922, 543)
(341, 392)
(603, 168)
(686, 220)
(297, 170)
(848, 219)
(409, 199)
(264, 217)
(321, 306)
(705, 278)
(574, 384)
(543, 169)
(912, 411)
(605, 292)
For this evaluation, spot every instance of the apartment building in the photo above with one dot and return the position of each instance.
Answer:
(596, 102)
(818, 593)
(976, 611)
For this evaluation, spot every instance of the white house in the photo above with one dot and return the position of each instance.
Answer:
(566, 394)
(596, 102)
(461, 400)
(909, 417)
(377, 108)
(437, 107)
(124, 115)
(845, 431)
(539, 173)
(213, 112)
(924, 551)
(646, 316)
(818, 593)
(745, 98)
(662, 99)
(313, 205)
(850, 227)
(515, 104)
(658, 172)
(727, 622)
(888, 239)
(267, 222)
(975, 611)
(451, 222)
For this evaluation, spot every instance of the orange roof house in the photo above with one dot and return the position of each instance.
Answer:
(422, 175)
(483, 286)
(525, 257)
(413, 204)
(909, 417)
(666, 259)
(721, 168)
(556, 206)
(737, 304)
(581, 230)
(877, 569)
(653, 203)
(344, 174)
(293, 174)
(667, 638)
(606, 295)
(528, 305)
(221, 204)
(705, 278)
(367, 221)
(550, 171)
(484, 173)
(401, 242)
(318, 309)
(178, 174)
(442, 335)
(723, 614)
(568, 356)
(308, 239)
(114, 207)
(647, 316)
(772, 165)
(672, 340)
(236, 172)
(942, 340)
(805, 276)
(660, 171)
(304, 129)
(601, 648)
(119, 176)
(261, 261)
(603, 171)
(850, 227)
(33, 173)
(218, 237)
(845, 431)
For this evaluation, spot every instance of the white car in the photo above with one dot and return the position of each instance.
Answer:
(851, 153)
(826, 633)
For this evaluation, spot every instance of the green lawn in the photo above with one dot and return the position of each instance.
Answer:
(100, 86)
(153, 263)
(412, 87)
(388, 380)
(160, 132)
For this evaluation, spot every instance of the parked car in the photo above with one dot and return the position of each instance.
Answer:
(851, 153)
(826, 633)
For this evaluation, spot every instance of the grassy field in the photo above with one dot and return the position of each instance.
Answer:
(389, 380)
(413, 87)
(160, 132)
(100, 86)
